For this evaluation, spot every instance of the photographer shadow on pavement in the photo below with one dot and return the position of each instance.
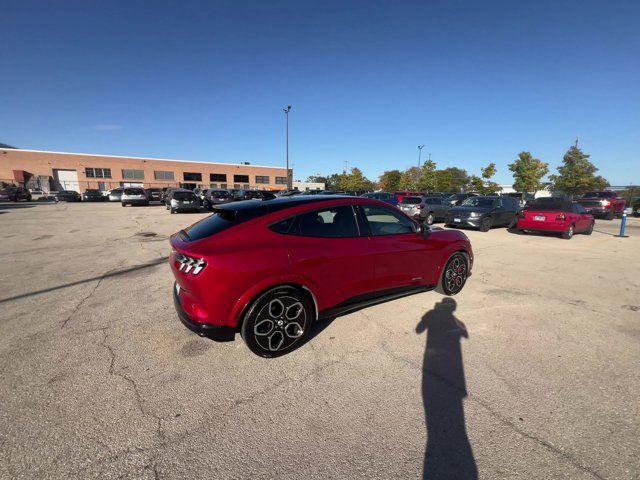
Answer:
(448, 453)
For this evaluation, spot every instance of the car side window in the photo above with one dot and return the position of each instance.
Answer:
(335, 222)
(385, 221)
(577, 208)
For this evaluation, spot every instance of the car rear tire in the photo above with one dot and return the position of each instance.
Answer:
(124, 204)
(454, 274)
(513, 224)
(485, 225)
(172, 211)
(589, 229)
(277, 322)
(568, 235)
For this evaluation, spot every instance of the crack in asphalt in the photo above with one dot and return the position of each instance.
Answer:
(77, 307)
(576, 462)
(139, 400)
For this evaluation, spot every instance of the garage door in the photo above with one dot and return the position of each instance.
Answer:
(66, 179)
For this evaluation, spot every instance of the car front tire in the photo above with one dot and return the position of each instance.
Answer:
(589, 229)
(277, 322)
(485, 225)
(430, 218)
(454, 274)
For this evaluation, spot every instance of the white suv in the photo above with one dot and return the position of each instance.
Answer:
(134, 196)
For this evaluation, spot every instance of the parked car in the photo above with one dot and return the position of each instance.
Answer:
(484, 213)
(290, 261)
(115, 194)
(68, 196)
(635, 206)
(426, 209)
(253, 195)
(38, 195)
(386, 197)
(14, 194)
(154, 194)
(603, 204)
(134, 196)
(93, 195)
(457, 199)
(555, 215)
(401, 195)
(166, 194)
(523, 198)
(215, 196)
(182, 201)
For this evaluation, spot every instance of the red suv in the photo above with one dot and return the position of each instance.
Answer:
(269, 269)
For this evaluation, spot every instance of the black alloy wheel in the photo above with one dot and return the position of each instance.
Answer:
(277, 322)
(589, 229)
(485, 224)
(455, 273)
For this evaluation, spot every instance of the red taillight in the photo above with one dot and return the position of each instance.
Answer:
(561, 217)
(420, 207)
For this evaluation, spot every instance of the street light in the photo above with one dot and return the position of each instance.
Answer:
(286, 114)
(420, 147)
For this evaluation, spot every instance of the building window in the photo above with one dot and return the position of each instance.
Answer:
(223, 186)
(217, 177)
(262, 179)
(161, 175)
(241, 178)
(213, 185)
(129, 174)
(281, 180)
(236, 186)
(97, 172)
(192, 177)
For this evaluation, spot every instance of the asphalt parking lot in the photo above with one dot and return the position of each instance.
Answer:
(533, 371)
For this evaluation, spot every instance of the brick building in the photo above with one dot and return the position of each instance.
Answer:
(51, 171)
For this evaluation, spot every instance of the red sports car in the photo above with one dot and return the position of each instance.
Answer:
(555, 215)
(270, 268)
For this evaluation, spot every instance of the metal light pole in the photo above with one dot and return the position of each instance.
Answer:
(420, 147)
(286, 114)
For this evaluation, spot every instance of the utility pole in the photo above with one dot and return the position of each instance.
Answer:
(286, 114)
(576, 145)
(346, 166)
(420, 147)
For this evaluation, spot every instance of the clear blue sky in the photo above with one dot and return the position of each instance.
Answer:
(476, 82)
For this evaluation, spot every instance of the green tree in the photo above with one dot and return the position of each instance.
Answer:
(527, 173)
(409, 178)
(427, 180)
(444, 180)
(476, 185)
(390, 180)
(489, 187)
(354, 181)
(576, 175)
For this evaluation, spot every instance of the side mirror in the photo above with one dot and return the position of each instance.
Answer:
(419, 228)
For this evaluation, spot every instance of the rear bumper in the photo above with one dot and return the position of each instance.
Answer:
(218, 333)
(136, 201)
(542, 226)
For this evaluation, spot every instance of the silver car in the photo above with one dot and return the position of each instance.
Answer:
(115, 195)
(134, 196)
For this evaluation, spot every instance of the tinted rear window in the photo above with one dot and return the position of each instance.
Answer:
(184, 195)
(550, 204)
(478, 202)
(411, 200)
(598, 195)
(133, 191)
(219, 221)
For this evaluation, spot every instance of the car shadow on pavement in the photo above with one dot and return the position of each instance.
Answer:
(448, 453)
(13, 206)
